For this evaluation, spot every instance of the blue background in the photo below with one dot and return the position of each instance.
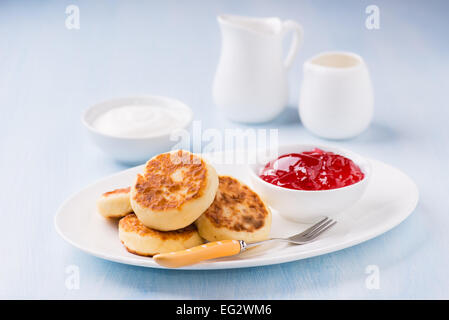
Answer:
(49, 74)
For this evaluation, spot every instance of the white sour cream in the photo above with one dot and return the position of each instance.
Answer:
(138, 121)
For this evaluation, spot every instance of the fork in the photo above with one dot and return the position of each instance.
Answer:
(225, 248)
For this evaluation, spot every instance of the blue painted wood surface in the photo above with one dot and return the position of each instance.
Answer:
(49, 74)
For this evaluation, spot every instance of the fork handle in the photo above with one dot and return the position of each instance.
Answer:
(200, 253)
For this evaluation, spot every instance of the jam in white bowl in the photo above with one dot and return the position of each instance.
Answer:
(306, 182)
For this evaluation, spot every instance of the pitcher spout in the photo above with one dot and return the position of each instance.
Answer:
(263, 26)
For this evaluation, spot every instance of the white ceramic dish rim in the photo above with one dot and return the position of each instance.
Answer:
(309, 62)
(225, 18)
(360, 161)
(172, 103)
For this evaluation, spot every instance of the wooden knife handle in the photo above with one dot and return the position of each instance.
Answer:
(200, 253)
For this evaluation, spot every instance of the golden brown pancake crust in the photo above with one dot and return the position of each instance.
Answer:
(158, 190)
(138, 252)
(116, 191)
(130, 223)
(236, 207)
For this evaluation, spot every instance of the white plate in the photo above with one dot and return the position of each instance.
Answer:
(390, 198)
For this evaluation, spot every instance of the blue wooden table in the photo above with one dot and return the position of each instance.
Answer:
(49, 74)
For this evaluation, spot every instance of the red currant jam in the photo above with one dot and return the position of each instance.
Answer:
(312, 170)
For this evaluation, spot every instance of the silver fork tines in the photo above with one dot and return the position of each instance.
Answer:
(304, 237)
(321, 229)
(313, 232)
(309, 230)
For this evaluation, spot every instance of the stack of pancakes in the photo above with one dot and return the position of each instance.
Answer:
(178, 201)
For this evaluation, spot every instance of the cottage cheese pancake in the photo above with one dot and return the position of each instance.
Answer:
(173, 191)
(236, 213)
(144, 241)
(115, 204)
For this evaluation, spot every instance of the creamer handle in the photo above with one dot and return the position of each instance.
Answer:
(288, 26)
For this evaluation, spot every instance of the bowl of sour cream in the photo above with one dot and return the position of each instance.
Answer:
(133, 129)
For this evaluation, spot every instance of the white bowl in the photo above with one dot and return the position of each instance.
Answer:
(133, 150)
(307, 206)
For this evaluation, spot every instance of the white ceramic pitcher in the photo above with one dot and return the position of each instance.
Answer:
(251, 79)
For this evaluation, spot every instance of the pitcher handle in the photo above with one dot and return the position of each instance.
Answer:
(288, 26)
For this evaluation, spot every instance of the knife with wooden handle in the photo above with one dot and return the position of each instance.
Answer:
(210, 250)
